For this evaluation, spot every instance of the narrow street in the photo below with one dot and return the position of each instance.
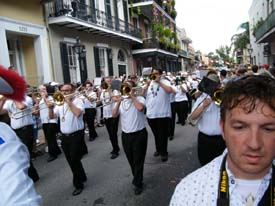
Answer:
(109, 181)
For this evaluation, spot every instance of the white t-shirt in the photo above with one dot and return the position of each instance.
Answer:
(209, 122)
(44, 112)
(23, 118)
(247, 190)
(131, 119)
(158, 101)
(69, 123)
(181, 96)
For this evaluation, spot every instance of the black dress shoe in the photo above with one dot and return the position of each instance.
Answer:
(114, 155)
(77, 191)
(164, 158)
(156, 154)
(51, 158)
(171, 138)
(138, 190)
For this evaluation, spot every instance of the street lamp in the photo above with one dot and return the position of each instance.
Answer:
(79, 49)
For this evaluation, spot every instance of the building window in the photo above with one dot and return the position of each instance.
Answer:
(72, 63)
(135, 22)
(121, 56)
(102, 61)
(147, 30)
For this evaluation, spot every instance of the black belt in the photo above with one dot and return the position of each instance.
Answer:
(23, 128)
(72, 134)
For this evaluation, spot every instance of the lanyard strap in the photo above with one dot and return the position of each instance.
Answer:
(223, 190)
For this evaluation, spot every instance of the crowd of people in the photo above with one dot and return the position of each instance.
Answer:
(224, 105)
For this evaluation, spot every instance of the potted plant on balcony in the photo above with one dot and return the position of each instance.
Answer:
(257, 26)
(173, 13)
(177, 47)
(168, 32)
(163, 42)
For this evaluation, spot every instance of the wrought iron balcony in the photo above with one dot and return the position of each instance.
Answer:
(183, 53)
(146, 7)
(153, 43)
(84, 17)
(267, 26)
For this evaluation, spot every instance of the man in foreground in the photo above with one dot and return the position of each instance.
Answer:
(243, 174)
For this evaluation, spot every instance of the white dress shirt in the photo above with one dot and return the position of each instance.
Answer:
(69, 123)
(22, 118)
(106, 99)
(44, 112)
(201, 187)
(131, 119)
(209, 122)
(16, 188)
(181, 96)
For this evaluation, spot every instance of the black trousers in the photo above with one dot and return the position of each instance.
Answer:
(182, 111)
(112, 128)
(171, 124)
(89, 118)
(50, 132)
(135, 146)
(209, 147)
(26, 135)
(72, 147)
(160, 131)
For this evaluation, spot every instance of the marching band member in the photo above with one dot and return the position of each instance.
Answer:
(158, 111)
(210, 141)
(171, 125)
(134, 134)
(49, 126)
(110, 122)
(17, 188)
(22, 124)
(181, 101)
(72, 129)
(90, 109)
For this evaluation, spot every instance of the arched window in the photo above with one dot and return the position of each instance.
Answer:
(121, 56)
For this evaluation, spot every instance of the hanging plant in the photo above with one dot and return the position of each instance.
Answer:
(160, 29)
(138, 11)
(168, 32)
(177, 47)
(173, 2)
(173, 14)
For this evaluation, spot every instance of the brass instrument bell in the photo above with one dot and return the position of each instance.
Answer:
(152, 77)
(126, 89)
(218, 96)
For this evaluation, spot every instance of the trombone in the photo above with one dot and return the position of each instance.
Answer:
(126, 89)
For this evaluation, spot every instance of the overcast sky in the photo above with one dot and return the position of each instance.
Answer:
(211, 23)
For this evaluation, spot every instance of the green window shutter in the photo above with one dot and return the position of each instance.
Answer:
(97, 66)
(110, 62)
(65, 62)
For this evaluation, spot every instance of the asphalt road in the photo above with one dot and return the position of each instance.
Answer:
(109, 181)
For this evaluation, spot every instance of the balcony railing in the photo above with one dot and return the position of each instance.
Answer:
(90, 15)
(183, 53)
(153, 43)
(159, 2)
(268, 24)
